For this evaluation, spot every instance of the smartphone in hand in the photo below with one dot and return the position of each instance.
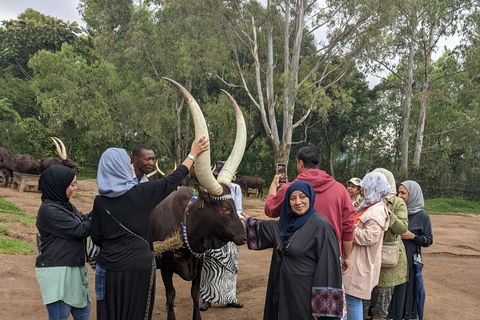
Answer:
(281, 168)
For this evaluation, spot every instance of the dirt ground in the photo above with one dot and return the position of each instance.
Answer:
(451, 269)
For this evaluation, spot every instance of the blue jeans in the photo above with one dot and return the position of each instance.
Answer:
(60, 311)
(355, 308)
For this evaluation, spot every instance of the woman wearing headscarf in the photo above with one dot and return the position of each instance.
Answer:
(305, 279)
(371, 221)
(418, 235)
(60, 267)
(125, 271)
(390, 277)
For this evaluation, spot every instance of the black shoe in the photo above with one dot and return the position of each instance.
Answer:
(235, 305)
(205, 306)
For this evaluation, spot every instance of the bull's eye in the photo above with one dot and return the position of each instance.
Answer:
(225, 211)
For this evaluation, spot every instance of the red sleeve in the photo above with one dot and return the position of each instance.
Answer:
(273, 204)
(348, 216)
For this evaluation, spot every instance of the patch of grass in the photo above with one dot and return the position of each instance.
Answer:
(7, 207)
(4, 229)
(26, 220)
(14, 246)
(451, 206)
(12, 213)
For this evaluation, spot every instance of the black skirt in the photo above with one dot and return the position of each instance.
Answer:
(129, 295)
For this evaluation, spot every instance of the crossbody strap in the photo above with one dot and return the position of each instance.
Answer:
(121, 224)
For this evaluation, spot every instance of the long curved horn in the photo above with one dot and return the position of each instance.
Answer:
(61, 153)
(155, 171)
(230, 167)
(64, 151)
(204, 176)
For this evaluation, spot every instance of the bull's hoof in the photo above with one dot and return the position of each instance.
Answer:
(205, 306)
(235, 305)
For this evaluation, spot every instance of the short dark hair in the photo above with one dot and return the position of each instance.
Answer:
(310, 155)
(136, 151)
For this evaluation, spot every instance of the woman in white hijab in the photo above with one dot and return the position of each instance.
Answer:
(371, 221)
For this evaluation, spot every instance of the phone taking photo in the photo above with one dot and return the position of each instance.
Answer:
(281, 168)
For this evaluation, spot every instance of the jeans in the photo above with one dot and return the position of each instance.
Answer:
(60, 311)
(355, 308)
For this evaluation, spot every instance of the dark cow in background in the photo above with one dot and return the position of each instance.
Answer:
(246, 182)
(61, 160)
(26, 166)
(5, 155)
(5, 158)
(209, 221)
(21, 163)
(23, 157)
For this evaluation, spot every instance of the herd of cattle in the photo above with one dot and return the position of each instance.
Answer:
(208, 222)
(24, 163)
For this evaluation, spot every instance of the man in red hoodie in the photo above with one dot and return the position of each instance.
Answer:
(331, 199)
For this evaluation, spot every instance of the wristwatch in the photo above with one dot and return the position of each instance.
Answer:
(191, 156)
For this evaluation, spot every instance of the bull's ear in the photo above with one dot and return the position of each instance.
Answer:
(201, 192)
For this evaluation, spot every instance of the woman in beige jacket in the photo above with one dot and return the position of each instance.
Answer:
(371, 221)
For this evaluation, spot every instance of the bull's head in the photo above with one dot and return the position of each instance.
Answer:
(215, 205)
(202, 162)
(219, 222)
(62, 153)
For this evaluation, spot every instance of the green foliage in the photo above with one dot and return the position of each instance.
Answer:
(22, 38)
(451, 206)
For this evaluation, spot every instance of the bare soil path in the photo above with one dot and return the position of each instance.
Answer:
(451, 272)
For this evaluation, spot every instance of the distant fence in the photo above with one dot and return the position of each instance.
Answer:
(443, 189)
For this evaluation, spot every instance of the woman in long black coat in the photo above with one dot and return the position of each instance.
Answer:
(125, 271)
(418, 235)
(305, 280)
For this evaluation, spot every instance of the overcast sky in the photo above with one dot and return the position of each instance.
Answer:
(61, 9)
(67, 11)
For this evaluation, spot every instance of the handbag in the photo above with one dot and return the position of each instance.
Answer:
(390, 253)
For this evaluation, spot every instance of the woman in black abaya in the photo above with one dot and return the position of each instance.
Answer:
(125, 271)
(305, 280)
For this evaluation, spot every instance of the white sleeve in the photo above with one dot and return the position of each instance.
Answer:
(237, 197)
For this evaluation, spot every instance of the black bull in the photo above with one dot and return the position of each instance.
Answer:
(209, 223)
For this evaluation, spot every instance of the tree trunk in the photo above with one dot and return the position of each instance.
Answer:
(423, 105)
(408, 101)
(330, 159)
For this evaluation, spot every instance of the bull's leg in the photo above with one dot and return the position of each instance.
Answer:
(167, 277)
(195, 293)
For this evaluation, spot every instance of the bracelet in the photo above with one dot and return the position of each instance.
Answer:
(191, 157)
